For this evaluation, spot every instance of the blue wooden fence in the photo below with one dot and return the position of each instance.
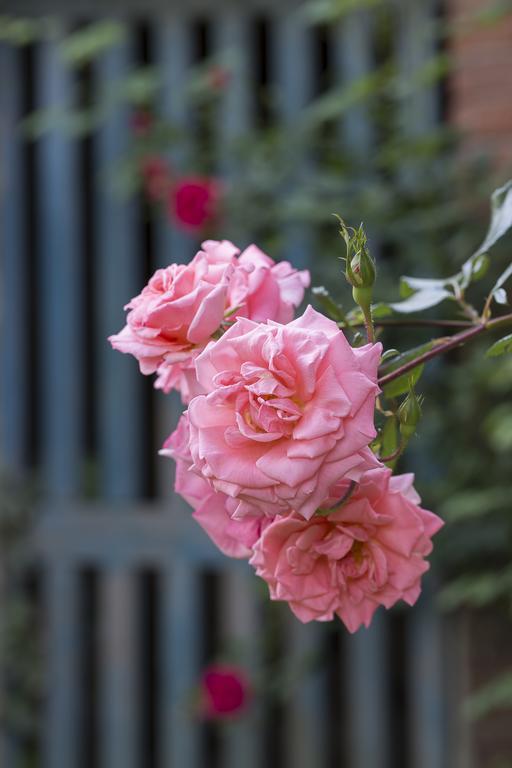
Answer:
(47, 323)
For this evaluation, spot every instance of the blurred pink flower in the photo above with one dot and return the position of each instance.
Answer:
(219, 78)
(287, 409)
(141, 122)
(368, 552)
(156, 178)
(194, 201)
(225, 691)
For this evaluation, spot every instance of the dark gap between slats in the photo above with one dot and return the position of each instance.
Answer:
(337, 737)
(260, 38)
(89, 661)
(210, 647)
(148, 667)
(85, 89)
(274, 716)
(27, 67)
(398, 709)
(146, 248)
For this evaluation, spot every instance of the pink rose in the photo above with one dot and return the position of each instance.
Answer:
(224, 691)
(368, 552)
(194, 201)
(264, 290)
(235, 538)
(175, 316)
(180, 309)
(287, 410)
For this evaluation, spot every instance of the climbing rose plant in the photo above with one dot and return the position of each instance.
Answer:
(287, 449)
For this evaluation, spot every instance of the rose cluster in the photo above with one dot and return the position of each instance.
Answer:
(273, 451)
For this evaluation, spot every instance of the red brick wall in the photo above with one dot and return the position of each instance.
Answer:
(480, 88)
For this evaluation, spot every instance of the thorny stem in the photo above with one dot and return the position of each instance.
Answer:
(413, 322)
(454, 341)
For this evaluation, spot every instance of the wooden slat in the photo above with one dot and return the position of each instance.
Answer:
(240, 635)
(14, 269)
(416, 46)
(352, 45)
(180, 665)
(425, 683)
(132, 8)
(308, 714)
(368, 696)
(293, 61)
(119, 717)
(174, 54)
(62, 674)
(119, 277)
(60, 330)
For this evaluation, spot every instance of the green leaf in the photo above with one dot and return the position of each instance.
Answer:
(388, 354)
(500, 347)
(328, 304)
(500, 296)
(403, 384)
(423, 299)
(501, 217)
(88, 43)
(495, 695)
(389, 439)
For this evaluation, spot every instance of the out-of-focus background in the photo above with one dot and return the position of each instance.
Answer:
(130, 131)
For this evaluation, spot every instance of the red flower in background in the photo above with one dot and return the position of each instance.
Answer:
(141, 122)
(156, 178)
(219, 78)
(225, 691)
(194, 201)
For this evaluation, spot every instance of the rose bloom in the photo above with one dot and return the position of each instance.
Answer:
(368, 552)
(287, 409)
(224, 691)
(194, 201)
(235, 538)
(182, 306)
(156, 178)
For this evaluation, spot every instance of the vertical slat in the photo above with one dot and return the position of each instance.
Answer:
(119, 718)
(308, 716)
(59, 287)
(180, 658)
(293, 60)
(14, 268)
(173, 45)
(424, 679)
(175, 55)
(119, 276)
(367, 691)
(416, 47)
(62, 689)
(353, 60)
(244, 738)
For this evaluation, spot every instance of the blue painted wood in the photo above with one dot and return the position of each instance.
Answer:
(180, 664)
(62, 673)
(60, 328)
(240, 624)
(119, 716)
(352, 44)
(416, 46)
(368, 695)
(292, 40)
(14, 381)
(174, 48)
(174, 53)
(119, 277)
(308, 712)
(425, 683)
